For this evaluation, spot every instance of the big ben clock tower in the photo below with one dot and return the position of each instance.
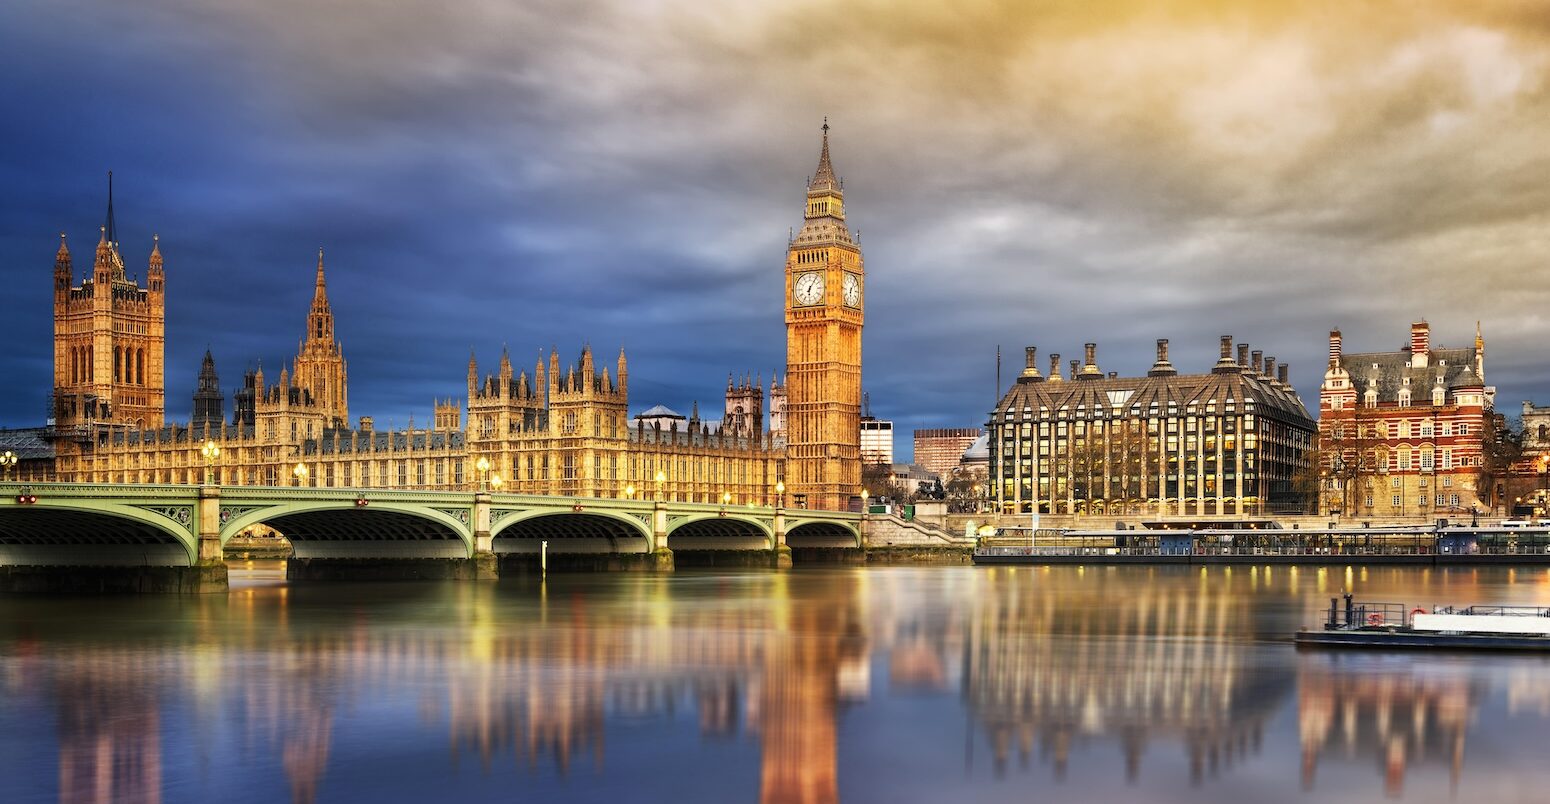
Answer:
(824, 313)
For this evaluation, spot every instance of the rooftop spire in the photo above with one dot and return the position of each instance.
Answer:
(321, 292)
(823, 179)
(110, 234)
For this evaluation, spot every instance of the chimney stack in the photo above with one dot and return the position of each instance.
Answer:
(1420, 344)
(1162, 367)
(1030, 365)
(1074, 369)
(1054, 367)
(1243, 356)
(1281, 376)
(1257, 362)
(1270, 369)
(1090, 369)
(1225, 362)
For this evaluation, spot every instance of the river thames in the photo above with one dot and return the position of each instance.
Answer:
(814, 685)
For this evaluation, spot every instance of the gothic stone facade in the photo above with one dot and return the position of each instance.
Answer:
(1401, 433)
(1227, 442)
(560, 431)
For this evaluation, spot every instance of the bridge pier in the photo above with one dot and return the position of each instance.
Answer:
(782, 556)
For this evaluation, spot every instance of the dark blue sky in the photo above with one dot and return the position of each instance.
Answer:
(558, 173)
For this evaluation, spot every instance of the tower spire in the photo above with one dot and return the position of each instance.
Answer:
(109, 233)
(320, 294)
(823, 178)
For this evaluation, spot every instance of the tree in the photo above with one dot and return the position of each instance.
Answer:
(1500, 448)
(877, 479)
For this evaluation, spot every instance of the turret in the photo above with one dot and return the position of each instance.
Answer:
(62, 271)
(154, 278)
(473, 374)
(623, 373)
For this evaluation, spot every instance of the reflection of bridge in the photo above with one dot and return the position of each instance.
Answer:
(183, 526)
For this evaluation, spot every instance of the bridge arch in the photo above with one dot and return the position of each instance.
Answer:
(591, 531)
(720, 532)
(342, 529)
(822, 534)
(96, 534)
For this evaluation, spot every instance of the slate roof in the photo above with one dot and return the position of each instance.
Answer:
(28, 444)
(1102, 393)
(1388, 370)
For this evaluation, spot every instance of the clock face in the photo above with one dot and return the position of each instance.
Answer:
(852, 290)
(808, 288)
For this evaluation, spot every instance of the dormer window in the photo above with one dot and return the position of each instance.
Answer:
(1404, 395)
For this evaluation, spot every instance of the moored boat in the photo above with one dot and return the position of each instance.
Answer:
(1352, 624)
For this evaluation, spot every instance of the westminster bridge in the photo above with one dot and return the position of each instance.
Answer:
(379, 533)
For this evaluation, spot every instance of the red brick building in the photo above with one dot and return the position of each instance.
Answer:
(1401, 433)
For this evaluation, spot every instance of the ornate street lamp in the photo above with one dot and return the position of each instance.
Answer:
(301, 474)
(483, 465)
(864, 509)
(496, 482)
(211, 451)
(8, 463)
(780, 494)
(629, 492)
(660, 478)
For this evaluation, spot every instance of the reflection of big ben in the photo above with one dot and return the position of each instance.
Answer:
(824, 282)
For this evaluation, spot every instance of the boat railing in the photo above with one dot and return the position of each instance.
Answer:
(1495, 611)
(1347, 614)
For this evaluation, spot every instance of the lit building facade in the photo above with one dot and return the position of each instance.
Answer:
(825, 283)
(562, 430)
(109, 341)
(1225, 442)
(1402, 433)
(940, 450)
(876, 440)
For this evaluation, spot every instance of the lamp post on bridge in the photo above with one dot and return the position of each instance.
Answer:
(780, 494)
(865, 493)
(211, 451)
(483, 466)
(301, 474)
(8, 463)
(629, 491)
(496, 482)
(660, 478)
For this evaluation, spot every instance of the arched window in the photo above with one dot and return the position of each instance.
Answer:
(118, 366)
(140, 367)
(1544, 431)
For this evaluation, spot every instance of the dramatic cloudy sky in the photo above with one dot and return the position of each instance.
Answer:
(557, 172)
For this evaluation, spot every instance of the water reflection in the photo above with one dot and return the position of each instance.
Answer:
(1108, 684)
(1050, 668)
(1397, 710)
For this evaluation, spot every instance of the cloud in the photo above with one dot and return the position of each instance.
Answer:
(624, 172)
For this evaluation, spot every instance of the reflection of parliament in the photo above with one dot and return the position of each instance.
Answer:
(561, 429)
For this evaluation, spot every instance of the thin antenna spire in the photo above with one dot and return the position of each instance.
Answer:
(996, 398)
(110, 231)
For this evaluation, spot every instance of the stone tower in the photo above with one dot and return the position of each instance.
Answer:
(320, 366)
(109, 341)
(824, 314)
(209, 406)
(743, 416)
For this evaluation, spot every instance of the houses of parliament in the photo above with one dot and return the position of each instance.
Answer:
(560, 427)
